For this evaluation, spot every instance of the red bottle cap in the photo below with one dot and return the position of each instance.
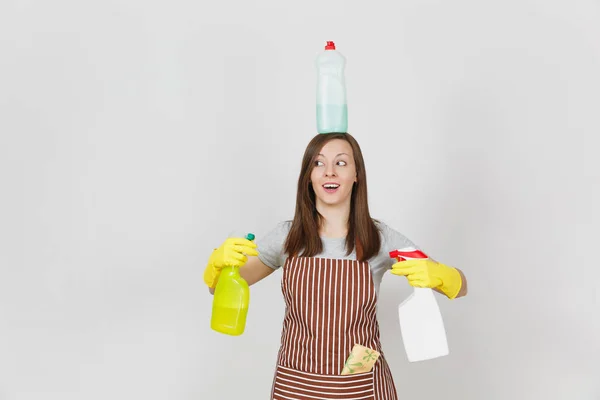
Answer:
(330, 46)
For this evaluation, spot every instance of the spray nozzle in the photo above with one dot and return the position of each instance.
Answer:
(407, 254)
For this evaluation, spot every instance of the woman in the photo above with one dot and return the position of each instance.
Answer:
(333, 256)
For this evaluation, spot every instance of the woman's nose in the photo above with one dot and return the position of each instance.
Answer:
(329, 171)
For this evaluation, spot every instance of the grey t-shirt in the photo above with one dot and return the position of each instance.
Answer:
(271, 252)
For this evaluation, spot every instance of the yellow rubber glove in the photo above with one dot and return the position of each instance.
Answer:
(233, 252)
(426, 273)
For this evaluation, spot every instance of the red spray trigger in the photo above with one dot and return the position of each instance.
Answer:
(408, 253)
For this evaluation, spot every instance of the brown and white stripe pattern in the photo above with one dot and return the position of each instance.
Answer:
(330, 306)
(297, 385)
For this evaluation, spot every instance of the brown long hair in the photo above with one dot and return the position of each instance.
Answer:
(304, 232)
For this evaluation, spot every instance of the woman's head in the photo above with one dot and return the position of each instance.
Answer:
(332, 168)
(332, 174)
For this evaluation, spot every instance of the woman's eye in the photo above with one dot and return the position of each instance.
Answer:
(343, 163)
(318, 163)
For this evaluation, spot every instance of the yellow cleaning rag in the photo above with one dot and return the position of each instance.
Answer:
(361, 359)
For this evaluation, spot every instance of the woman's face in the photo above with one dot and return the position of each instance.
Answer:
(334, 173)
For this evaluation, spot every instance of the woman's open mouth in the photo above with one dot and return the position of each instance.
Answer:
(331, 187)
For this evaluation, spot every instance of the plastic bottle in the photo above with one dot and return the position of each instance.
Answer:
(421, 322)
(332, 108)
(231, 301)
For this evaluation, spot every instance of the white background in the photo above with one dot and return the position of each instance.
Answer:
(135, 136)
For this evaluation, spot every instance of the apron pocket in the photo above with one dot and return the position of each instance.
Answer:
(291, 384)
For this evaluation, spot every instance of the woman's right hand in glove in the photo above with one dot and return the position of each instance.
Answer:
(233, 252)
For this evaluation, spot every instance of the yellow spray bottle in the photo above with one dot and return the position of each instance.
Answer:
(231, 301)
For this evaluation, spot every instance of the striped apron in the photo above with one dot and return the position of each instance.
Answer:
(330, 306)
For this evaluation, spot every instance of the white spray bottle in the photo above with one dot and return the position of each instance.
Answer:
(421, 322)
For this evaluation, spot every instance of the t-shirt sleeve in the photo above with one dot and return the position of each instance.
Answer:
(393, 240)
(270, 246)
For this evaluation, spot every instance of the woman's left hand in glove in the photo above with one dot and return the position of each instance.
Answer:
(426, 273)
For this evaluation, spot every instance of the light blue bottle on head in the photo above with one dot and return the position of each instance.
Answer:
(332, 108)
